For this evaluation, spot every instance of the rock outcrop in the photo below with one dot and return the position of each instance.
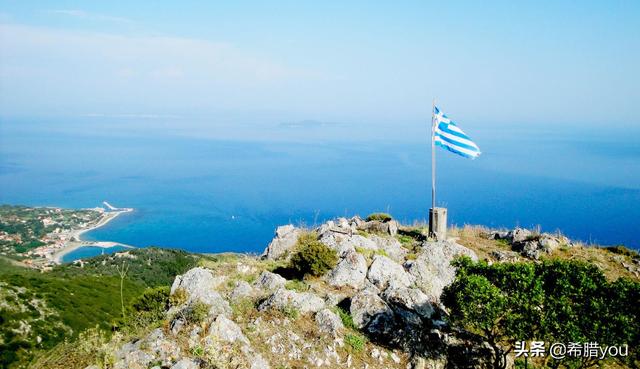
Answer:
(391, 300)
(350, 271)
(432, 268)
(285, 240)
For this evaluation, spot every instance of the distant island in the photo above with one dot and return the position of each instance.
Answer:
(350, 293)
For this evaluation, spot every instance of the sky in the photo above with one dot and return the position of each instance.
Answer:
(503, 62)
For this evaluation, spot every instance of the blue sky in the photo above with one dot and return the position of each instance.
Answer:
(486, 62)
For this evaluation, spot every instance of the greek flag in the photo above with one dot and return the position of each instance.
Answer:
(447, 135)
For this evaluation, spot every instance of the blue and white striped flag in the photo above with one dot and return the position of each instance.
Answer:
(449, 136)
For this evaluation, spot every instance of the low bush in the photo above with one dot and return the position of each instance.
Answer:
(345, 316)
(149, 307)
(382, 217)
(355, 342)
(621, 250)
(312, 256)
(296, 285)
(196, 313)
(290, 312)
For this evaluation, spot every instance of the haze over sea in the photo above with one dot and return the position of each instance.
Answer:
(207, 185)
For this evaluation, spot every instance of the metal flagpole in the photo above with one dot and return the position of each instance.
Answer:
(433, 155)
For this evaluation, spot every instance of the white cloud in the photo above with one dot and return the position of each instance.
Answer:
(88, 71)
(90, 16)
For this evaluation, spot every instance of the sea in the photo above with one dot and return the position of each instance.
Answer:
(207, 185)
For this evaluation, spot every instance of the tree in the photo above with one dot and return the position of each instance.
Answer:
(554, 301)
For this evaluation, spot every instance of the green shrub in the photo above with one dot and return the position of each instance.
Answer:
(296, 285)
(242, 307)
(312, 256)
(345, 316)
(405, 240)
(355, 342)
(290, 312)
(382, 217)
(369, 253)
(149, 307)
(621, 250)
(559, 300)
(178, 297)
(196, 313)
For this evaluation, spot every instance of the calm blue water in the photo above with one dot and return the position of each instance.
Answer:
(89, 251)
(211, 187)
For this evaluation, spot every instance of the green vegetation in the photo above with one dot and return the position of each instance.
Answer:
(296, 285)
(355, 342)
(345, 316)
(369, 253)
(621, 250)
(68, 300)
(312, 256)
(290, 312)
(148, 308)
(382, 217)
(196, 312)
(552, 301)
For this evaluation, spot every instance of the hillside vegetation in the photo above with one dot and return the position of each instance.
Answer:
(41, 309)
(349, 293)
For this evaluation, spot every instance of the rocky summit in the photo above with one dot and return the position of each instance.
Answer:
(378, 306)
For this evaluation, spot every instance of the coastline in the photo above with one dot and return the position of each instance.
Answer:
(75, 240)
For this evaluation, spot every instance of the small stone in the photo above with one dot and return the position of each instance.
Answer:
(241, 290)
(269, 281)
(185, 364)
(224, 329)
(328, 321)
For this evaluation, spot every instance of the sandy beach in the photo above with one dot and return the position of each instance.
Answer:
(75, 237)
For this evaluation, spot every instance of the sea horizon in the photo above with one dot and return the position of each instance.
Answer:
(218, 193)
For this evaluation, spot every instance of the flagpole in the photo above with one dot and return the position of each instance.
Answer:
(433, 156)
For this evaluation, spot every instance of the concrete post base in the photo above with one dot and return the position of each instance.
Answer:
(438, 223)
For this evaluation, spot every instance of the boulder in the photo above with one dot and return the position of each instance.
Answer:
(269, 281)
(199, 284)
(549, 243)
(376, 226)
(432, 268)
(504, 256)
(518, 235)
(225, 330)
(499, 235)
(351, 271)
(164, 350)
(530, 249)
(136, 359)
(366, 305)
(241, 290)
(384, 271)
(391, 246)
(344, 243)
(304, 302)
(412, 299)
(186, 364)
(328, 322)
(284, 240)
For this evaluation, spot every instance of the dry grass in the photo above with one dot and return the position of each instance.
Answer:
(475, 238)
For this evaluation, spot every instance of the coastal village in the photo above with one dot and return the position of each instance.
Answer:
(37, 236)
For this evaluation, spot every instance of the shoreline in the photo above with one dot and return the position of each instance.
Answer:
(75, 240)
